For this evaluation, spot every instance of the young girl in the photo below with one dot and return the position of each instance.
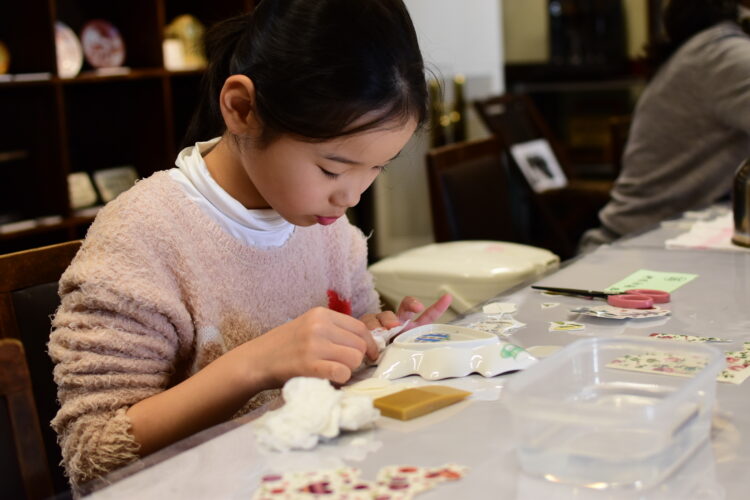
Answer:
(205, 286)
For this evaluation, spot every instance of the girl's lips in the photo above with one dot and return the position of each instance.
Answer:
(326, 220)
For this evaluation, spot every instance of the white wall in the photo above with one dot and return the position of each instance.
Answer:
(456, 37)
(526, 32)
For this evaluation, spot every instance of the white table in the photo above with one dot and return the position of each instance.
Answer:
(475, 433)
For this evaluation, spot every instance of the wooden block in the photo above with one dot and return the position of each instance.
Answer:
(418, 401)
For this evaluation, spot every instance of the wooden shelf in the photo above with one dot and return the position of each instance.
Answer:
(95, 120)
(133, 74)
(66, 223)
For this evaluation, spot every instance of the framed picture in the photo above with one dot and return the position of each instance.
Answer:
(80, 190)
(539, 165)
(112, 181)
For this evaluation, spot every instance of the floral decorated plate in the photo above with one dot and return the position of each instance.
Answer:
(68, 50)
(443, 351)
(102, 44)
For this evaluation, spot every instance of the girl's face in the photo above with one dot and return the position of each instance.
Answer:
(315, 183)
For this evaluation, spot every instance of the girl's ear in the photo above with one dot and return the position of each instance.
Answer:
(237, 102)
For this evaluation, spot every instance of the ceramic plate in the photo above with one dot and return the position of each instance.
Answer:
(102, 44)
(443, 351)
(4, 58)
(69, 52)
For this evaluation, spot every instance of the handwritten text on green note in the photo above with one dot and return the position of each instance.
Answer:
(654, 280)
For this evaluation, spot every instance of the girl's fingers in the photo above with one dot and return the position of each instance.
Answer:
(347, 356)
(371, 321)
(408, 307)
(358, 328)
(331, 370)
(432, 313)
(388, 320)
(345, 338)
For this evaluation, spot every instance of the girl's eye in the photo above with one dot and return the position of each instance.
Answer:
(327, 173)
(382, 168)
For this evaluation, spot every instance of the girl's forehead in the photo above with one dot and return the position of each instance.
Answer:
(380, 141)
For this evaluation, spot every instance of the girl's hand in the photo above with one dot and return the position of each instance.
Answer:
(406, 310)
(321, 343)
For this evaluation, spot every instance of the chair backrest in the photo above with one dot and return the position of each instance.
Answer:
(28, 298)
(514, 119)
(469, 192)
(555, 217)
(25, 475)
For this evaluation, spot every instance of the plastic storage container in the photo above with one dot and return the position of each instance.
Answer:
(471, 271)
(578, 420)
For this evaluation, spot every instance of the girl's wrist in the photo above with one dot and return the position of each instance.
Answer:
(253, 373)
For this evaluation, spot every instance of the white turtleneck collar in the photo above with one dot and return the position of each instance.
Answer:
(261, 227)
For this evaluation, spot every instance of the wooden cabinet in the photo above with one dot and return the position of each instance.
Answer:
(51, 126)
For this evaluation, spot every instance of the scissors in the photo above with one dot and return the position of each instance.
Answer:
(638, 298)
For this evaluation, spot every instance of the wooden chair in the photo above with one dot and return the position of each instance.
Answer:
(469, 197)
(561, 215)
(20, 416)
(28, 298)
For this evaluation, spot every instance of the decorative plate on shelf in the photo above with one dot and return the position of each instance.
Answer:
(102, 44)
(443, 351)
(190, 32)
(69, 51)
(4, 58)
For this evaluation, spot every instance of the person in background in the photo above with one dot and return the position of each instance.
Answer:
(204, 288)
(744, 15)
(691, 126)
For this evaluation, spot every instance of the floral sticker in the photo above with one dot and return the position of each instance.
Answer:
(612, 312)
(502, 327)
(395, 482)
(499, 308)
(738, 366)
(510, 351)
(686, 338)
(565, 326)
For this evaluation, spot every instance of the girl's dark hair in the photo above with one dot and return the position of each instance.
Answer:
(317, 67)
(681, 20)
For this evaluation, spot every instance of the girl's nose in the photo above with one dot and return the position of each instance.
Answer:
(346, 197)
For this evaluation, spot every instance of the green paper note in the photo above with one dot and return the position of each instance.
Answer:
(653, 280)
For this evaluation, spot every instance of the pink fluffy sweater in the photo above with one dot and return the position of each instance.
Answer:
(159, 290)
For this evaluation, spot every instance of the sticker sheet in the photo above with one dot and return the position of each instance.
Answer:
(611, 312)
(660, 362)
(738, 364)
(395, 482)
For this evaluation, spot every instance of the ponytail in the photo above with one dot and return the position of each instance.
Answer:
(221, 42)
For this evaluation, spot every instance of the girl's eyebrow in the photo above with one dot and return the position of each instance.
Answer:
(341, 159)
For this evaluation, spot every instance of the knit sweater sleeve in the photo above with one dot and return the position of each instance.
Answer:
(364, 297)
(117, 336)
